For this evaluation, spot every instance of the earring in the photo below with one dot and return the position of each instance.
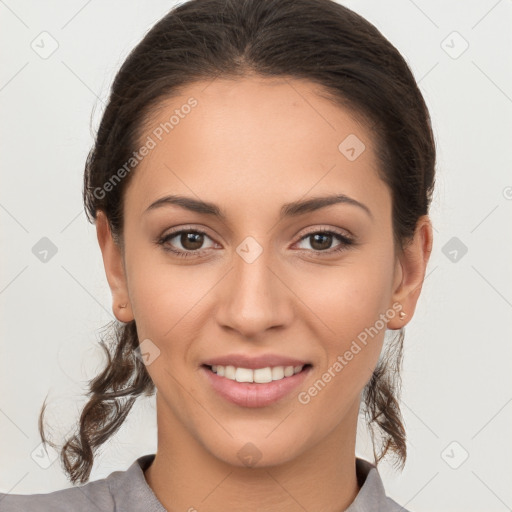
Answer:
(402, 315)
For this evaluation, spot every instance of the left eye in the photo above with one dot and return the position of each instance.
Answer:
(321, 240)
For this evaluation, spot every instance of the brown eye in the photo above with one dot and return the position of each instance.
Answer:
(320, 241)
(191, 241)
(186, 242)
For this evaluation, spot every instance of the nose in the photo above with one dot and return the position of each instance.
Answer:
(254, 297)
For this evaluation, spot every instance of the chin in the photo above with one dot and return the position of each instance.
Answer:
(257, 451)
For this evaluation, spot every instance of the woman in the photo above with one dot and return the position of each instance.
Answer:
(260, 184)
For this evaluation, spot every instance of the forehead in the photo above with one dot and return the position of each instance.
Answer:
(258, 137)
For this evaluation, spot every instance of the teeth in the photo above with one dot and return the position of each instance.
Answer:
(244, 375)
(260, 375)
(277, 372)
(229, 372)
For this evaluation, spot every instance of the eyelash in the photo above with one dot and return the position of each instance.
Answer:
(346, 242)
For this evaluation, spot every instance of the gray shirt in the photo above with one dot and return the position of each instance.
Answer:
(128, 491)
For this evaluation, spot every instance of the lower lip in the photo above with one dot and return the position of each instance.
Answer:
(250, 394)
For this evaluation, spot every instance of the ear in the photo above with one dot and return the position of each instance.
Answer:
(410, 272)
(114, 269)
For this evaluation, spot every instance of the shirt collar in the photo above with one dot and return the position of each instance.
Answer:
(130, 488)
(371, 495)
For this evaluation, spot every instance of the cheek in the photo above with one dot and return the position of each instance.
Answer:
(351, 334)
(166, 298)
(348, 298)
(166, 301)
(158, 295)
(346, 304)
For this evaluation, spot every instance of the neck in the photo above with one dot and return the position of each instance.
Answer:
(185, 476)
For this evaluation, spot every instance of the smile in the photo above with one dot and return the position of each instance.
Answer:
(258, 375)
(256, 387)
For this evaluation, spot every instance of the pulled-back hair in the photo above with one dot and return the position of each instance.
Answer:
(317, 40)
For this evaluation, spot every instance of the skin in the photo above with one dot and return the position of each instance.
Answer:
(250, 146)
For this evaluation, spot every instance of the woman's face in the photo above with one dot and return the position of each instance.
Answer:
(258, 278)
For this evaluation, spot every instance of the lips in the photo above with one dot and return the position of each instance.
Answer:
(249, 394)
(254, 394)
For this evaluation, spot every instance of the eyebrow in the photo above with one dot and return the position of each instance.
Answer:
(293, 209)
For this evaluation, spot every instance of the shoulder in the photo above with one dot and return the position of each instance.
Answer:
(91, 496)
(121, 490)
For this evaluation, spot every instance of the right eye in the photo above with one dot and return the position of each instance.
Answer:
(190, 240)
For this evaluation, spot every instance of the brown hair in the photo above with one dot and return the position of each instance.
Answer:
(317, 40)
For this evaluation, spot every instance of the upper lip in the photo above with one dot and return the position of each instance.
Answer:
(254, 362)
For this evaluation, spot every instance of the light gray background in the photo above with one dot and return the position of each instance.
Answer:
(456, 381)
